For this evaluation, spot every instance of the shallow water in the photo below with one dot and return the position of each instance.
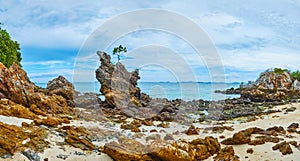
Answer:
(171, 90)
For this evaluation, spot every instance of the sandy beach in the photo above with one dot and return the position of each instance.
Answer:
(260, 152)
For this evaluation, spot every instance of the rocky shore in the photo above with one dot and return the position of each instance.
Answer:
(59, 123)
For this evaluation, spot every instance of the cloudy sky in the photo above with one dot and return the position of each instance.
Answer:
(61, 37)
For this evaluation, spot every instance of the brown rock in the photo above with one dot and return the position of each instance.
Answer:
(283, 147)
(226, 154)
(191, 131)
(78, 137)
(293, 127)
(168, 137)
(16, 86)
(153, 130)
(135, 129)
(15, 139)
(163, 125)
(49, 121)
(126, 149)
(268, 138)
(160, 150)
(9, 108)
(117, 84)
(250, 150)
(61, 86)
(78, 142)
(242, 137)
(147, 122)
(205, 148)
(275, 131)
(257, 142)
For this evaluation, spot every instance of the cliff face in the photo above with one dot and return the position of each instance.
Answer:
(118, 85)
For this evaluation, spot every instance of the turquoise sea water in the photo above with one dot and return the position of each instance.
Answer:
(171, 90)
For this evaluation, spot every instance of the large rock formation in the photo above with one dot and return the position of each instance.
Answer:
(16, 86)
(118, 85)
(61, 86)
(272, 85)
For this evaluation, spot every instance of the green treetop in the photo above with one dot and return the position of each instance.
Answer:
(119, 50)
(9, 49)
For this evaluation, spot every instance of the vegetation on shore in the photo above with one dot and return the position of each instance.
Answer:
(295, 75)
(9, 49)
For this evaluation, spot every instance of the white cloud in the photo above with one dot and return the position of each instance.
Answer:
(250, 36)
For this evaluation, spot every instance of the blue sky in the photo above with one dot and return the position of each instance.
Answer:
(249, 36)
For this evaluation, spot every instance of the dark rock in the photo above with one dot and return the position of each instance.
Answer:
(242, 137)
(62, 156)
(191, 131)
(88, 101)
(61, 86)
(275, 130)
(268, 138)
(257, 142)
(293, 127)
(168, 137)
(283, 147)
(31, 155)
(226, 154)
(118, 85)
(250, 150)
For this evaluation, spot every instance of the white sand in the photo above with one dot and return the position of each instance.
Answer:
(261, 152)
(14, 120)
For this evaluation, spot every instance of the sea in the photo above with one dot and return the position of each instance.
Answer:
(171, 90)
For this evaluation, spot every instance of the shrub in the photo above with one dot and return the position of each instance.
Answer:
(9, 49)
(296, 75)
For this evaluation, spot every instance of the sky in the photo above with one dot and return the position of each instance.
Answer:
(167, 40)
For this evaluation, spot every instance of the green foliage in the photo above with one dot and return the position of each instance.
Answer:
(296, 75)
(280, 71)
(118, 50)
(9, 49)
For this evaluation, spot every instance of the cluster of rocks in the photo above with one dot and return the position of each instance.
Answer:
(268, 135)
(124, 97)
(16, 86)
(48, 108)
(271, 86)
(198, 149)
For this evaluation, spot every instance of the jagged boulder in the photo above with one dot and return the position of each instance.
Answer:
(118, 85)
(16, 86)
(61, 86)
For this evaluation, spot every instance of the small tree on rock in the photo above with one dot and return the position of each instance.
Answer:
(118, 50)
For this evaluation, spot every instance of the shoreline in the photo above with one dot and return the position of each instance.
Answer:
(260, 151)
